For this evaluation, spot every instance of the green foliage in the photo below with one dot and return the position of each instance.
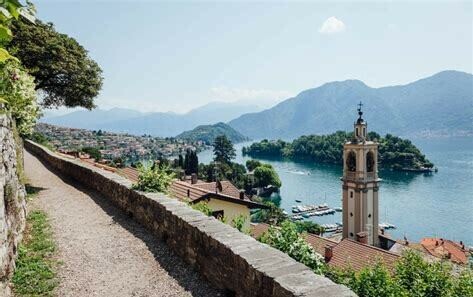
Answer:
(412, 276)
(223, 149)
(288, 240)
(273, 215)
(63, 71)
(154, 179)
(35, 268)
(265, 175)
(394, 152)
(252, 164)
(11, 10)
(41, 139)
(208, 133)
(234, 172)
(203, 207)
(190, 162)
(118, 162)
(420, 278)
(376, 282)
(93, 152)
(17, 90)
(463, 285)
(266, 148)
(239, 221)
(309, 227)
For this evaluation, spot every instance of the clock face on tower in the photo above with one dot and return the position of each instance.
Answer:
(351, 161)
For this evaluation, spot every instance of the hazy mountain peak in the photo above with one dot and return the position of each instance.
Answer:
(404, 109)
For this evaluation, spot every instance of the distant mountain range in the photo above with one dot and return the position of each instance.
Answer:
(207, 133)
(438, 105)
(162, 124)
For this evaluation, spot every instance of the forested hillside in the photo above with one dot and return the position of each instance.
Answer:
(394, 152)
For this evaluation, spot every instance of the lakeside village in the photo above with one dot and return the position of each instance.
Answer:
(125, 148)
(232, 193)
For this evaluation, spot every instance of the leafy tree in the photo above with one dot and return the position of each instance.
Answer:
(63, 71)
(191, 162)
(265, 175)
(93, 152)
(154, 179)
(119, 162)
(223, 149)
(463, 285)
(17, 93)
(252, 164)
(421, 278)
(309, 227)
(273, 215)
(11, 10)
(376, 282)
(288, 240)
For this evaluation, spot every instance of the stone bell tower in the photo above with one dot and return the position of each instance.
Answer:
(360, 185)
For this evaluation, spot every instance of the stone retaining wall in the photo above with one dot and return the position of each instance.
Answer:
(229, 259)
(12, 201)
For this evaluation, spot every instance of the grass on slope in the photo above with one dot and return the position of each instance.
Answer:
(35, 267)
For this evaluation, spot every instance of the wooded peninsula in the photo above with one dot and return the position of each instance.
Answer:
(394, 152)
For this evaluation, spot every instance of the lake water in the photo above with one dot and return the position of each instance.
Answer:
(420, 205)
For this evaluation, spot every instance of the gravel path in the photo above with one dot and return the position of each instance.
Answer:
(103, 252)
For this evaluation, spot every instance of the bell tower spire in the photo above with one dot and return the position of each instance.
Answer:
(360, 126)
(360, 185)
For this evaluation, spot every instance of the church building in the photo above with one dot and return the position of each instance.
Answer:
(360, 185)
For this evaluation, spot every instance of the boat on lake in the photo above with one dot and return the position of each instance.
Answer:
(387, 226)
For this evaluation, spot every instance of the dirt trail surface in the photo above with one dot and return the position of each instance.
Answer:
(103, 252)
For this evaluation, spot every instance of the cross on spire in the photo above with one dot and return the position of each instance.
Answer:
(360, 113)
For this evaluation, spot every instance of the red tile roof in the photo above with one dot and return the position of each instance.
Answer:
(346, 254)
(187, 191)
(352, 254)
(445, 249)
(130, 173)
(319, 243)
(227, 188)
(256, 230)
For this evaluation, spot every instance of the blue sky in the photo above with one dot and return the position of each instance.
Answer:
(173, 56)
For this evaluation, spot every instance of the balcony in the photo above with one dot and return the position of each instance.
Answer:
(360, 176)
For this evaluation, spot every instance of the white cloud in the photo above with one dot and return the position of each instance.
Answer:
(332, 25)
(248, 95)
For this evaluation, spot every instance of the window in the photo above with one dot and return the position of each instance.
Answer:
(188, 193)
(356, 131)
(351, 194)
(364, 131)
(218, 214)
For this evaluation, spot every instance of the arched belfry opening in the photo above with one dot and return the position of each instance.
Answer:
(351, 161)
(370, 161)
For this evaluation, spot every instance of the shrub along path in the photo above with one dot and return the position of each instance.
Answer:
(103, 252)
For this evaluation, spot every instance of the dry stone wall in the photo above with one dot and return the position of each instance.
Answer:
(226, 257)
(12, 202)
